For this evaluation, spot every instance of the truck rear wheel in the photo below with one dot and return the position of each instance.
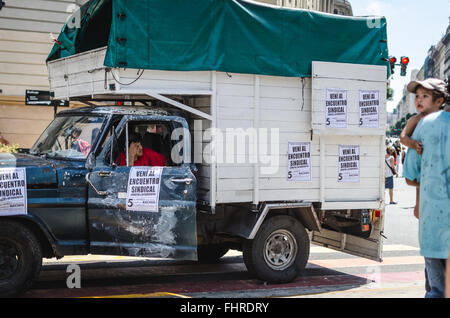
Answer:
(20, 258)
(279, 251)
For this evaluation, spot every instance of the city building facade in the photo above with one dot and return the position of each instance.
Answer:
(341, 7)
(27, 32)
(25, 41)
(446, 43)
(436, 64)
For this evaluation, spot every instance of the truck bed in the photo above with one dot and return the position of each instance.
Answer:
(288, 109)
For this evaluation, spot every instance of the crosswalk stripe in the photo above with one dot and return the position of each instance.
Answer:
(358, 262)
(386, 248)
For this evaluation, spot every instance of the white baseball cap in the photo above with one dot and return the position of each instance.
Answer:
(430, 83)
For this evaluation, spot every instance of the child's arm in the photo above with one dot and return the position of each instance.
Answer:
(416, 207)
(417, 185)
(407, 132)
(413, 183)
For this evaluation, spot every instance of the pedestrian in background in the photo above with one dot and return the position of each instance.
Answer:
(390, 172)
(431, 172)
(398, 150)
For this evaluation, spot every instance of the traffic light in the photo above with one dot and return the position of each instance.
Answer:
(392, 61)
(403, 64)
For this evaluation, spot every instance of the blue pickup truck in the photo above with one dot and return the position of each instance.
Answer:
(68, 195)
(77, 192)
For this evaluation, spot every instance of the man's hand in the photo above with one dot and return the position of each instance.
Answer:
(132, 153)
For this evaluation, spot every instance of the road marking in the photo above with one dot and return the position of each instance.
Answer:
(365, 289)
(399, 247)
(386, 248)
(357, 262)
(158, 294)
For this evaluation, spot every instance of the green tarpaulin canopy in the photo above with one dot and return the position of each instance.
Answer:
(223, 35)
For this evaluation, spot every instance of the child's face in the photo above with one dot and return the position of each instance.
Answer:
(424, 101)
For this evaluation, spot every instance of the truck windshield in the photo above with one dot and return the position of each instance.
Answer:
(69, 137)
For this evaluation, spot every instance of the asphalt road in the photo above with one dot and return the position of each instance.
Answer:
(329, 273)
(401, 227)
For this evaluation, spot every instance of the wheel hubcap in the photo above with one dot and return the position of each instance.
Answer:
(280, 250)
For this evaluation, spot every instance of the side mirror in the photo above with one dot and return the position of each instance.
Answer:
(193, 168)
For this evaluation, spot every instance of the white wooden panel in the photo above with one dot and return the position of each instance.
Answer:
(235, 90)
(32, 14)
(286, 103)
(280, 81)
(234, 78)
(349, 71)
(30, 47)
(352, 78)
(23, 58)
(21, 36)
(35, 16)
(246, 172)
(19, 90)
(297, 116)
(23, 80)
(41, 5)
(39, 26)
(283, 104)
(28, 69)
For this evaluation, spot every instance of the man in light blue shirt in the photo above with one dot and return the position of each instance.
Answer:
(431, 171)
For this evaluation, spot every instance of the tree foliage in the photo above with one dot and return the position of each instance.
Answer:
(398, 126)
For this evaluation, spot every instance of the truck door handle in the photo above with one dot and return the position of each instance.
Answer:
(184, 180)
(102, 193)
(105, 173)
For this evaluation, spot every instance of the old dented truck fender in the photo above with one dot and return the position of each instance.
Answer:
(241, 222)
(304, 213)
(41, 179)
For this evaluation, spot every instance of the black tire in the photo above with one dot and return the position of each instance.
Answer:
(279, 252)
(20, 258)
(211, 253)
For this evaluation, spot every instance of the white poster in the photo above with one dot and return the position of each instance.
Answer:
(13, 191)
(336, 108)
(143, 189)
(348, 163)
(299, 161)
(369, 109)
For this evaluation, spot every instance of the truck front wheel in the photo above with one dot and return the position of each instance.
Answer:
(279, 251)
(20, 258)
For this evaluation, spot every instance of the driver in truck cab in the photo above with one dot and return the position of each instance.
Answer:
(139, 155)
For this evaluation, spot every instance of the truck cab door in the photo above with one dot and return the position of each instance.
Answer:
(115, 227)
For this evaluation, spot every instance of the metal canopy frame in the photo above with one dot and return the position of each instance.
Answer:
(167, 100)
